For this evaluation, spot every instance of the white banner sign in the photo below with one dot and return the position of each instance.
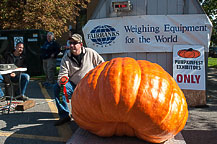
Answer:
(147, 33)
(189, 66)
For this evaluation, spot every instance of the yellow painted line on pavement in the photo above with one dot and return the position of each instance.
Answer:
(36, 137)
(63, 130)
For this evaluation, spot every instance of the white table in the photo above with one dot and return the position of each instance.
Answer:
(15, 70)
(12, 88)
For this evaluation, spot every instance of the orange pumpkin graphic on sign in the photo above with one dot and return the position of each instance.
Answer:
(189, 53)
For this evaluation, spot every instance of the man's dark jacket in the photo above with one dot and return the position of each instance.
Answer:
(50, 48)
(19, 61)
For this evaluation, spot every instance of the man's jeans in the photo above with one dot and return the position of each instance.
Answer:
(62, 107)
(23, 83)
(1, 81)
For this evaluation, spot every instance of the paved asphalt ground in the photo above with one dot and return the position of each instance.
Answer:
(35, 125)
(201, 127)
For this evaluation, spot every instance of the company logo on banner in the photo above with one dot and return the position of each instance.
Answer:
(103, 35)
(189, 66)
(147, 33)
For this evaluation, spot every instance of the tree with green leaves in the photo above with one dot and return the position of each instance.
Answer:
(50, 15)
(210, 7)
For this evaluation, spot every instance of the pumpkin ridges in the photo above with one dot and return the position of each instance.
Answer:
(175, 94)
(177, 126)
(182, 125)
(110, 73)
(130, 83)
(89, 119)
(99, 84)
(117, 74)
(95, 103)
(149, 122)
(170, 117)
(152, 74)
(86, 98)
(124, 129)
(105, 80)
(177, 116)
(156, 136)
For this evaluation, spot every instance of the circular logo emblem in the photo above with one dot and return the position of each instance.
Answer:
(103, 35)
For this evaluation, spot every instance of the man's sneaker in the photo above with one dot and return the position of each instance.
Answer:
(24, 98)
(62, 121)
(21, 97)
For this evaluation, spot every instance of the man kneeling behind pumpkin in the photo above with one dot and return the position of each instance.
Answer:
(76, 62)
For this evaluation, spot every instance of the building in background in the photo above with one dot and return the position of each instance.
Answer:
(149, 30)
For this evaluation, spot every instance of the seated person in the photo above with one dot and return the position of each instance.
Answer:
(17, 57)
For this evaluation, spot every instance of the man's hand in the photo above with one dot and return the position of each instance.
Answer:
(12, 74)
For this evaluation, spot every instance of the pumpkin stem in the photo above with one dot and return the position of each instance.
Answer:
(190, 49)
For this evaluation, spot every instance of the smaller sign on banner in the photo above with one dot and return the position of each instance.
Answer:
(189, 66)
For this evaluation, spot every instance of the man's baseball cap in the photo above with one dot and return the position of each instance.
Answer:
(76, 37)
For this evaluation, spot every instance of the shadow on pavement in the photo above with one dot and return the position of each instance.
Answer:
(200, 136)
(31, 128)
(34, 90)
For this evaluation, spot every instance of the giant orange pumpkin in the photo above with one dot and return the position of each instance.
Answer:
(129, 97)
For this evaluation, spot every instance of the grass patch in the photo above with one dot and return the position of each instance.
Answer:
(42, 77)
(212, 62)
(57, 70)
